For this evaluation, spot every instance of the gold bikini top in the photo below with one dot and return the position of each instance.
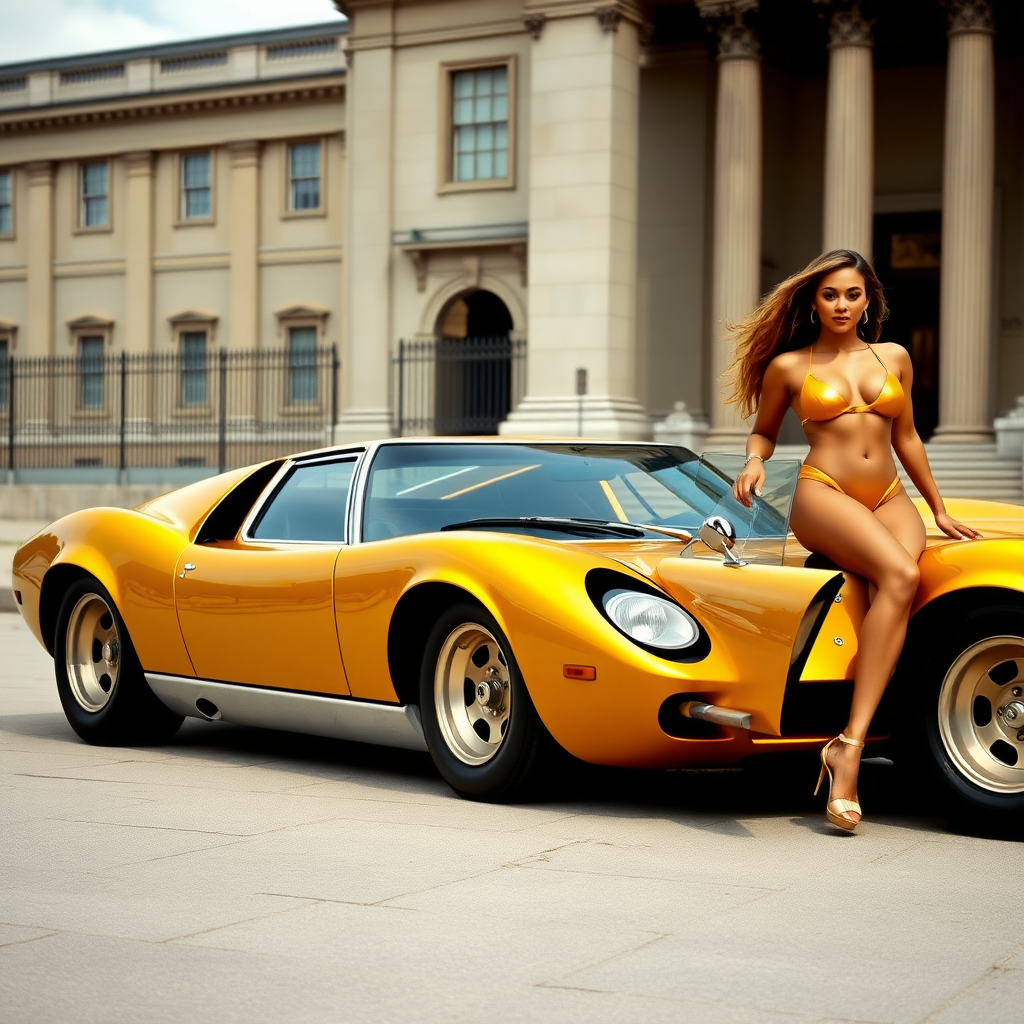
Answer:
(820, 401)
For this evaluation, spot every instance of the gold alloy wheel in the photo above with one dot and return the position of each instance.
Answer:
(472, 694)
(981, 714)
(92, 653)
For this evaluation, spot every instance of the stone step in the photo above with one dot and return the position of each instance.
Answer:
(975, 472)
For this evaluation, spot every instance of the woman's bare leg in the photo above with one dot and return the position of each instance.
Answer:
(904, 522)
(860, 541)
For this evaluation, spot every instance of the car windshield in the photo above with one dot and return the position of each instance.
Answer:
(423, 488)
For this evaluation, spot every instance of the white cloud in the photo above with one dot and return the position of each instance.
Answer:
(34, 29)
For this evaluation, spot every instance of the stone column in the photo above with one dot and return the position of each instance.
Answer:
(138, 279)
(243, 304)
(736, 260)
(584, 141)
(366, 348)
(965, 323)
(849, 133)
(39, 321)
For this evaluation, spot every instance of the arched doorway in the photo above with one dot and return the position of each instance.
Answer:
(473, 370)
(479, 314)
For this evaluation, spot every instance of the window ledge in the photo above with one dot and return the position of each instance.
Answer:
(302, 214)
(476, 185)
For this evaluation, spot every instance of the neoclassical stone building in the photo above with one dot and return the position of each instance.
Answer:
(604, 182)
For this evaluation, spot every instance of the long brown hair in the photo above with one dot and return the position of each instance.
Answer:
(782, 323)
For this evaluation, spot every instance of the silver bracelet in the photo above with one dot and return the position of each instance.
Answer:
(749, 457)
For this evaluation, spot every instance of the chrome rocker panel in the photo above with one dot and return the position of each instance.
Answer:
(390, 725)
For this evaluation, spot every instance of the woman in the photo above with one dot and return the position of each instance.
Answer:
(812, 345)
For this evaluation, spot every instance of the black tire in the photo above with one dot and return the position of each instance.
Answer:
(505, 764)
(99, 679)
(954, 746)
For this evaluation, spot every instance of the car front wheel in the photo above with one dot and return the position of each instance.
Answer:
(480, 725)
(968, 741)
(99, 679)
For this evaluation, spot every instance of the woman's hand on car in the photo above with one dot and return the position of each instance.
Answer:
(955, 529)
(748, 483)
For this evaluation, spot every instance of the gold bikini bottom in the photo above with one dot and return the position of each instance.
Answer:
(811, 473)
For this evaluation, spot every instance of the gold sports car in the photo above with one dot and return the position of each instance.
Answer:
(491, 600)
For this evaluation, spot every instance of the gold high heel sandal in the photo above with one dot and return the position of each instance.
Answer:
(834, 808)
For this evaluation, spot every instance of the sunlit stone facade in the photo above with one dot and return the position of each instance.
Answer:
(622, 177)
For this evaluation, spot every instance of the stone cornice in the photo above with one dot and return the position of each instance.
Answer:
(150, 105)
(431, 36)
(609, 13)
(725, 8)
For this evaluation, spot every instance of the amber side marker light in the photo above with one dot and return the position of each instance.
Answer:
(17, 596)
(579, 672)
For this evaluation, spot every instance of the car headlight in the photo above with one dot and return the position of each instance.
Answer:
(649, 620)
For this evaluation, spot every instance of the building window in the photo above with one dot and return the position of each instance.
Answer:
(196, 192)
(480, 124)
(302, 376)
(476, 145)
(6, 203)
(94, 195)
(91, 353)
(304, 190)
(193, 369)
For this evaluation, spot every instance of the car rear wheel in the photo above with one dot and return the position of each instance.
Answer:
(480, 725)
(966, 735)
(99, 679)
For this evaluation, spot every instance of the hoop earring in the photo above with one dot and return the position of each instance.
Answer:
(814, 315)
(864, 319)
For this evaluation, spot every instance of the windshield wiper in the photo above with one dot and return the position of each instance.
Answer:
(669, 531)
(563, 525)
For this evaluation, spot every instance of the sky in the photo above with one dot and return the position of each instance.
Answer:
(34, 29)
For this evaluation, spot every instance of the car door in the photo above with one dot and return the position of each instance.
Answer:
(259, 609)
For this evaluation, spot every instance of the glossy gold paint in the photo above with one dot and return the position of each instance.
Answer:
(754, 639)
(133, 556)
(966, 564)
(316, 617)
(828, 659)
(261, 614)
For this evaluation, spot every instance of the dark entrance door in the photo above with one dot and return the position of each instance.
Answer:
(473, 383)
(908, 263)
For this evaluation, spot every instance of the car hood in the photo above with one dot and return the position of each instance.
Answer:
(994, 519)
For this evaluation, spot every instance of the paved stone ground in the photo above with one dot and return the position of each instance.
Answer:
(242, 875)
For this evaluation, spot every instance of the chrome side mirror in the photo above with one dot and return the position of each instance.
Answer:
(718, 533)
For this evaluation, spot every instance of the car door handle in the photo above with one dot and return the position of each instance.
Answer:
(187, 568)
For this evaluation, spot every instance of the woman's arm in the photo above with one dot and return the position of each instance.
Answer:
(775, 399)
(910, 450)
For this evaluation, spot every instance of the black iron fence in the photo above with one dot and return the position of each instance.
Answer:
(191, 409)
(457, 385)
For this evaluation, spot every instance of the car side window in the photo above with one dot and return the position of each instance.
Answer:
(310, 505)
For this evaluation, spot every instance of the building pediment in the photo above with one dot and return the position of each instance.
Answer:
(191, 316)
(302, 312)
(84, 323)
